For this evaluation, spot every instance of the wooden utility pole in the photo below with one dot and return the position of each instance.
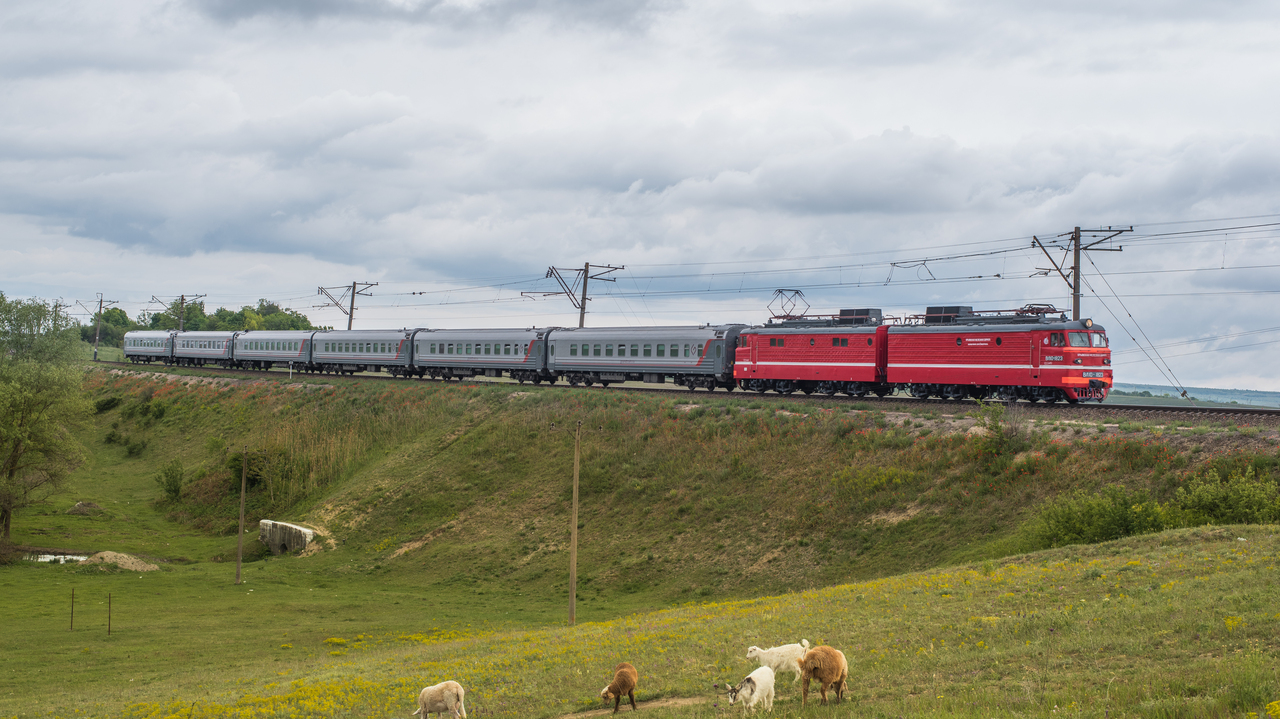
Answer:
(1072, 275)
(582, 305)
(97, 332)
(573, 531)
(570, 289)
(182, 308)
(244, 477)
(350, 309)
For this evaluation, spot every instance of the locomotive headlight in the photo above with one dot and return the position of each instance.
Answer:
(1078, 361)
(1088, 323)
(1106, 361)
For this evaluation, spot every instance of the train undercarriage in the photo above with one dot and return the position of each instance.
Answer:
(1048, 395)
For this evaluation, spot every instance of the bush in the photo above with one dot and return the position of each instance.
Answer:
(1005, 432)
(105, 404)
(1081, 518)
(1244, 498)
(170, 480)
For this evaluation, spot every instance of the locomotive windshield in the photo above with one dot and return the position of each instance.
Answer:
(1078, 339)
(1099, 339)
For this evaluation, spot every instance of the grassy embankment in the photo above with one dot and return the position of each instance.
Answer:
(679, 504)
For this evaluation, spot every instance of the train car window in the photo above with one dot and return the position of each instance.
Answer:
(773, 341)
(635, 350)
(717, 350)
(662, 350)
(686, 350)
(488, 348)
(1078, 339)
(844, 341)
(999, 341)
(595, 350)
(959, 342)
(782, 342)
(1056, 340)
(553, 350)
(811, 341)
(448, 349)
(608, 350)
(648, 351)
(1099, 339)
(835, 341)
(573, 350)
(697, 350)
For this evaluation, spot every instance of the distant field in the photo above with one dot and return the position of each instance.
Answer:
(1202, 395)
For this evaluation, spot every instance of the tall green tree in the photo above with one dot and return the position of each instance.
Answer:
(41, 403)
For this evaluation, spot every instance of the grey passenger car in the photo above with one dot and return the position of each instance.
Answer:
(700, 356)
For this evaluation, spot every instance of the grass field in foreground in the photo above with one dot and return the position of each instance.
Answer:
(1181, 624)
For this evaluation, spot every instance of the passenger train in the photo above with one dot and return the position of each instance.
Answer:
(949, 352)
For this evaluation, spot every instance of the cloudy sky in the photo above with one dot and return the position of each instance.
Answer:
(872, 154)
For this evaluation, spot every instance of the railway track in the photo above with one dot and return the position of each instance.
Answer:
(1084, 411)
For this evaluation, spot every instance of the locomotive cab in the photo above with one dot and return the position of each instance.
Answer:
(1078, 358)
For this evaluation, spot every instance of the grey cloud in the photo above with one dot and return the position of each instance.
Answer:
(621, 14)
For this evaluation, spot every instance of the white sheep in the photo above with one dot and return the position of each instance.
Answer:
(781, 659)
(757, 687)
(443, 697)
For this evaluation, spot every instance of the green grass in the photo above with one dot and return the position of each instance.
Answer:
(1181, 624)
(447, 505)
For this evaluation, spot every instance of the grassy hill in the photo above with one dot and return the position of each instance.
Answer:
(445, 515)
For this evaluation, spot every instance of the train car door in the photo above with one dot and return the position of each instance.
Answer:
(882, 353)
(1035, 356)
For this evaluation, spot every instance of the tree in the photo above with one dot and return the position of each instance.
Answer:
(109, 328)
(41, 403)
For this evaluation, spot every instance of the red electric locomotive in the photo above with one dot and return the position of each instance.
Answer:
(950, 352)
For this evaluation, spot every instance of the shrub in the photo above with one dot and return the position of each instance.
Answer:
(1081, 518)
(1243, 498)
(170, 480)
(105, 404)
(1005, 432)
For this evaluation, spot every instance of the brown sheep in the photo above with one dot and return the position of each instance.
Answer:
(829, 667)
(625, 679)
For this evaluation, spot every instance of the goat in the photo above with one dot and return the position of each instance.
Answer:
(829, 667)
(781, 659)
(443, 697)
(757, 687)
(624, 682)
